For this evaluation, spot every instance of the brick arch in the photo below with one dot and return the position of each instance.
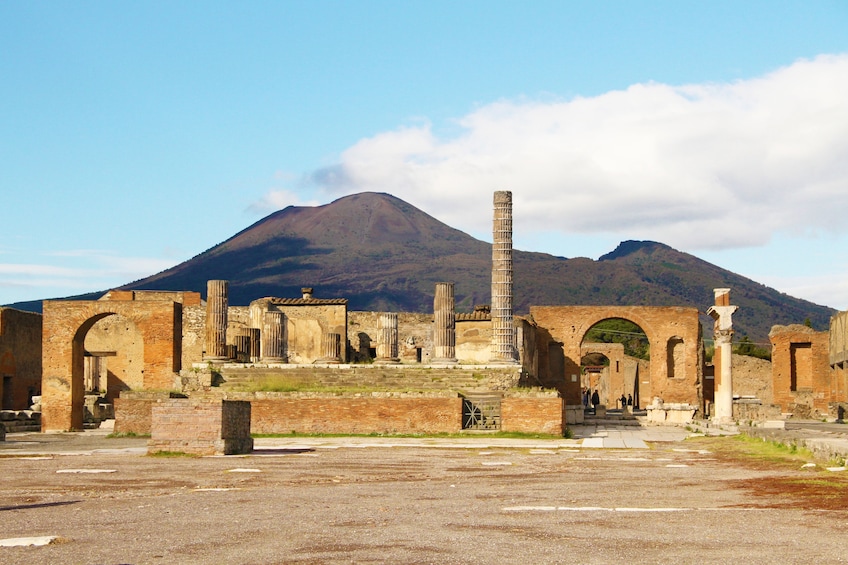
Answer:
(65, 325)
(568, 325)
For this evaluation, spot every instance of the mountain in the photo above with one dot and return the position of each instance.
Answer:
(384, 254)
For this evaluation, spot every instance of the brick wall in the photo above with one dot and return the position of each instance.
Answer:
(533, 415)
(801, 373)
(133, 412)
(20, 358)
(200, 426)
(357, 415)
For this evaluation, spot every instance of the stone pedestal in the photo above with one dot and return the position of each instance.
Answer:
(444, 324)
(274, 338)
(200, 427)
(503, 332)
(387, 342)
(217, 303)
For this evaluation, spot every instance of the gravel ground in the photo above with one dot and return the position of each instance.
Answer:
(341, 503)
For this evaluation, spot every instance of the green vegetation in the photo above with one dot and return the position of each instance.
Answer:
(746, 347)
(617, 330)
(508, 435)
(170, 454)
(115, 435)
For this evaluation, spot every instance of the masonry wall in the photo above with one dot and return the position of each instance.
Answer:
(801, 373)
(20, 358)
(133, 411)
(561, 331)
(474, 341)
(533, 415)
(200, 426)
(358, 415)
(415, 331)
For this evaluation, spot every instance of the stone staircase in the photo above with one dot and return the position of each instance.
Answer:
(410, 378)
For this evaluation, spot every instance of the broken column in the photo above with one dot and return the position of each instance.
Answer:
(387, 342)
(216, 320)
(274, 337)
(331, 348)
(255, 343)
(503, 338)
(444, 324)
(722, 313)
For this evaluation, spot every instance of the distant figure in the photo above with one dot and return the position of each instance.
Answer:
(586, 398)
(630, 400)
(623, 401)
(595, 398)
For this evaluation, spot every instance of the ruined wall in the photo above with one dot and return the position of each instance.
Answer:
(358, 415)
(561, 330)
(20, 358)
(533, 415)
(193, 334)
(752, 377)
(200, 427)
(801, 374)
(65, 326)
(118, 343)
(415, 332)
(473, 339)
(838, 356)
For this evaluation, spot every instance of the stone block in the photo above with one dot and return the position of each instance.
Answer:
(201, 426)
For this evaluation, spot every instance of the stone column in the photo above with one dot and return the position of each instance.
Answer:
(255, 343)
(722, 313)
(216, 320)
(92, 373)
(387, 342)
(444, 324)
(274, 338)
(243, 347)
(503, 338)
(331, 348)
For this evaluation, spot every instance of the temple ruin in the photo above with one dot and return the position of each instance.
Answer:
(128, 352)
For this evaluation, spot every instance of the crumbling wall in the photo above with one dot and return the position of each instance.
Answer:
(801, 374)
(20, 358)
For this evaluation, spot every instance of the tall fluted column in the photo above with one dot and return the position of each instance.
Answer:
(722, 313)
(274, 337)
(243, 347)
(387, 342)
(255, 343)
(331, 348)
(503, 333)
(444, 324)
(216, 320)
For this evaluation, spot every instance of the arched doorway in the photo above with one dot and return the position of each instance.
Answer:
(624, 350)
(113, 357)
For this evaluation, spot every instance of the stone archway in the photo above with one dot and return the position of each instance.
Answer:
(568, 325)
(65, 326)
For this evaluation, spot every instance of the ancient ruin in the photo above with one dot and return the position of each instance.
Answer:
(125, 355)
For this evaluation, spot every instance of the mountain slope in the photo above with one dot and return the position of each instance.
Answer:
(382, 253)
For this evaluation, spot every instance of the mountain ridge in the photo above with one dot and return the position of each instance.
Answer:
(383, 254)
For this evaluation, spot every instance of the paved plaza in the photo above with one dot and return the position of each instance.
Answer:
(630, 494)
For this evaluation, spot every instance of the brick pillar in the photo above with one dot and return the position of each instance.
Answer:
(387, 342)
(503, 338)
(722, 313)
(444, 324)
(274, 338)
(216, 320)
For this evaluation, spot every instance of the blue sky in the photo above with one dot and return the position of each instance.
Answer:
(137, 135)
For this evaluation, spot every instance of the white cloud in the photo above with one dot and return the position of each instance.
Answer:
(84, 271)
(277, 199)
(696, 166)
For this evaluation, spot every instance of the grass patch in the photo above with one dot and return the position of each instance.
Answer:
(755, 450)
(115, 435)
(170, 454)
(508, 435)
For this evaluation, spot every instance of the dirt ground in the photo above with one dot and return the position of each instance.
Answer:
(679, 502)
